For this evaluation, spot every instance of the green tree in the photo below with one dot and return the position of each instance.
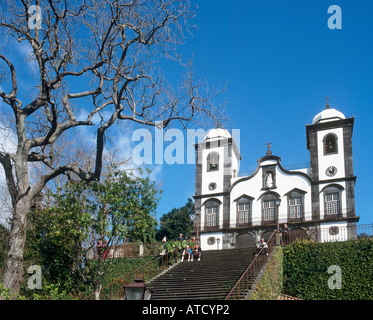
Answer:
(64, 237)
(106, 60)
(176, 221)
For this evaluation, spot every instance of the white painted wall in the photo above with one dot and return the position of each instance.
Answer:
(218, 176)
(284, 182)
(336, 160)
(205, 246)
(325, 236)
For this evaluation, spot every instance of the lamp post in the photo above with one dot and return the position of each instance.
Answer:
(197, 212)
(137, 290)
(278, 201)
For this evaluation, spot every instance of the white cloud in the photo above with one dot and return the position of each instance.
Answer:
(25, 52)
(7, 145)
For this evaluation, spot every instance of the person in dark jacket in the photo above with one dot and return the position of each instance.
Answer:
(285, 234)
(197, 252)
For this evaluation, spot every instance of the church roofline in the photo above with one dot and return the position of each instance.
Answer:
(270, 157)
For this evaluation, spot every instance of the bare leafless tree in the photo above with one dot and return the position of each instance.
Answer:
(101, 56)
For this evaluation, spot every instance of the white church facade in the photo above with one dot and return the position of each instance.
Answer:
(236, 211)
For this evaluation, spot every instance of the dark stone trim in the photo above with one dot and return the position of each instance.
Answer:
(271, 193)
(295, 173)
(347, 140)
(291, 224)
(198, 176)
(315, 202)
(312, 146)
(211, 199)
(278, 159)
(245, 196)
(350, 198)
(200, 196)
(334, 180)
(270, 157)
(226, 209)
(302, 192)
(197, 204)
(338, 186)
(328, 125)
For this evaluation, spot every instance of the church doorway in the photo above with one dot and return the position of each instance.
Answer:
(297, 234)
(245, 240)
(266, 235)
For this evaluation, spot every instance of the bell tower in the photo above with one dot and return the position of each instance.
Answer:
(329, 140)
(217, 163)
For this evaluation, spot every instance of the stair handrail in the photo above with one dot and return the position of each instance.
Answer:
(164, 260)
(248, 277)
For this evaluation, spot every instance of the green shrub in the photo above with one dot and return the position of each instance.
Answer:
(306, 267)
(271, 282)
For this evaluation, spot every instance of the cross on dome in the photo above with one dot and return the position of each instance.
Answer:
(327, 102)
(269, 145)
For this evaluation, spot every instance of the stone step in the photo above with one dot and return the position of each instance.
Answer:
(211, 278)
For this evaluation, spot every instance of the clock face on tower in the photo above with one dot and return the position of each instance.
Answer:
(331, 171)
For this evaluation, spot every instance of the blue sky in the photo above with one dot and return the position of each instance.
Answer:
(281, 60)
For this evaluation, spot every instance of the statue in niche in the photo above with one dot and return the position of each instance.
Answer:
(269, 180)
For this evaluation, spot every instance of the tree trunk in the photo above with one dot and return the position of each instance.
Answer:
(13, 272)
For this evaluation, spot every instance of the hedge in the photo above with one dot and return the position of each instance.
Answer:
(306, 264)
(270, 284)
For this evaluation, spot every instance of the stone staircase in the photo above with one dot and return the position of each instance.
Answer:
(211, 278)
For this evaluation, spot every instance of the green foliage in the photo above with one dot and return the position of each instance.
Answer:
(62, 238)
(176, 221)
(173, 244)
(5, 294)
(271, 282)
(123, 266)
(306, 270)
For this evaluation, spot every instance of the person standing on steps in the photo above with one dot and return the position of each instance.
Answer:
(285, 234)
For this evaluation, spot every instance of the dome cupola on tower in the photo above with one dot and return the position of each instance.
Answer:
(328, 114)
(217, 133)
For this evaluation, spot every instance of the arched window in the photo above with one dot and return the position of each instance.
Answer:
(332, 200)
(296, 204)
(330, 144)
(213, 161)
(212, 214)
(244, 209)
(269, 207)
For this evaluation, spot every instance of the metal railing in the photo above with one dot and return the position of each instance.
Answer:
(115, 290)
(250, 275)
(329, 234)
(128, 250)
(333, 233)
